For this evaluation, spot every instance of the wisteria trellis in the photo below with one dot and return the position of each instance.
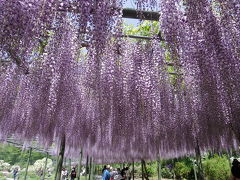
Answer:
(117, 102)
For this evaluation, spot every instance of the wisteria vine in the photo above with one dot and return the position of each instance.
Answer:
(116, 100)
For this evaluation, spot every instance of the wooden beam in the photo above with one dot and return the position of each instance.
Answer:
(142, 37)
(126, 12)
(143, 15)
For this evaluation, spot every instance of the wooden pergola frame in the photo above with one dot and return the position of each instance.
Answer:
(142, 15)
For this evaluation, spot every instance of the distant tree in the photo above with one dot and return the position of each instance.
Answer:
(14, 155)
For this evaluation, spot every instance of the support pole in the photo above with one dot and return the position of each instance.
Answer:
(159, 169)
(93, 170)
(194, 169)
(90, 168)
(45, 166)
(60, 159)
(28, 162)
(199, 161)
(142, 170)
(174, 175)
(79, 166)
(145, 170)
(86, 168)
(64, 162)
(69, 166)
(229, 155)
(133, 177)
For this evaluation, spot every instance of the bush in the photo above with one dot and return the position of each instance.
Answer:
(30, 176)
(1, 175)
(4, 166)
(39, 166)
(151, 169)
(217, 168)
(166, 173)
(182, 171)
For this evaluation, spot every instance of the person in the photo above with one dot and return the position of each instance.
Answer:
(124, 173)
(118, 175)
(235, 170)
(106, 173)
(64, 174)
(73, 173)
(119, 170)
(113, 173)
(128, 174)
(104, 168)
(15, 173)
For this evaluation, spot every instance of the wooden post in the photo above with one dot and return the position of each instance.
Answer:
(45, 167)
(199, 161)
(60, 159)
(90, 168)
(229, 155)
(159, 169)
(79, 166)
(65, 162)
(173, 163)
(133, 171)
(194, 169)
(145, 170)
(86, 168)
(28, 162)
(69, 166)
(93, 170)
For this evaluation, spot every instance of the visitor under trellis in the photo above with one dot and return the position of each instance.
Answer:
(235, 170)
(106, 173)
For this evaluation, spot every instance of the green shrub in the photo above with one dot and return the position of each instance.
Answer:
(151, 169)
(217, 168)
(182, 171)
(166, 173)
(30, 176)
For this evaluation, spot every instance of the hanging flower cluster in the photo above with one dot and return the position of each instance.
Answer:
(203, 45)
(116, 100)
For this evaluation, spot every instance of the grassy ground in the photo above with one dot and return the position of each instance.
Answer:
(152, 178)
(33, 176)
